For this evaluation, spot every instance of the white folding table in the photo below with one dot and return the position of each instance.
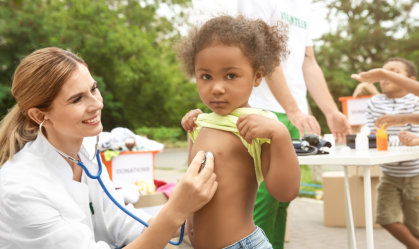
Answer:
(365, 159)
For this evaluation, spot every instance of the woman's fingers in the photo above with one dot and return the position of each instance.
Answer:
(195, 165)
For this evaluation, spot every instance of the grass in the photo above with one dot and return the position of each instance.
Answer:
(309, 187)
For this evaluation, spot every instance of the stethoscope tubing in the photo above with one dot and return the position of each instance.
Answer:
(99, 179)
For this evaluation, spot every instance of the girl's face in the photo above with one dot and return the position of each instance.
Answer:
(75, 111)
(389, 88)
(225, 78)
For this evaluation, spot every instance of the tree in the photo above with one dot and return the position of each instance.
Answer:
(366, 33)
(126, 44)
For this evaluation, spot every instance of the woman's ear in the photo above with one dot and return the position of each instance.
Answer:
(36, 115)
(413, 77)
(259, 76)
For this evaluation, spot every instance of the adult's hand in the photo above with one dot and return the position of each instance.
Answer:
(338, 125)
(196, 188)
(371, 76)
(304, 122)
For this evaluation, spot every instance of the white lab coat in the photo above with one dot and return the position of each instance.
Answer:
(42, 207)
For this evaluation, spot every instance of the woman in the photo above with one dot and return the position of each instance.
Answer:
(46, 200)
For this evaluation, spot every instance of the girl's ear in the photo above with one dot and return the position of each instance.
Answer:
(413, 77)
(259, 76)
(36, 115)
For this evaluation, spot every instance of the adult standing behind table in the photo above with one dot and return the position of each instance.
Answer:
(46, 200)
(302, 73)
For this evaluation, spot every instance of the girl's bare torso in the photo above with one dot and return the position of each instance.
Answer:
(228, 217)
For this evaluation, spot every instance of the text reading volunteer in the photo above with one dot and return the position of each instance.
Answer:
(46, 200)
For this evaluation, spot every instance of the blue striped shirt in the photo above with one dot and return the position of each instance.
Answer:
(380, 105)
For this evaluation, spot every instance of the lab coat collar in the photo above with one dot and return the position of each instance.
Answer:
(58, 166)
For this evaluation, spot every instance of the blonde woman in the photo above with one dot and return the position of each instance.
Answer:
(46, 200)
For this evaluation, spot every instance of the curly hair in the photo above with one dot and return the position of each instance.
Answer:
(410, 67)
(263, 44)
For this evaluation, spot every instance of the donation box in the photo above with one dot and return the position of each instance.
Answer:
(130, 166)
(354, 108)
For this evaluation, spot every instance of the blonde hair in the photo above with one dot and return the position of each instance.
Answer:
(36, 81)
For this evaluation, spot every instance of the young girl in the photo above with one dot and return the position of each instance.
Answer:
(228, 57)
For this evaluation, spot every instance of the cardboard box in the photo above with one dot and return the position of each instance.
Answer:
(375, 171)
(334, 199)
(150, 200)
(130, 166)
(354, 109)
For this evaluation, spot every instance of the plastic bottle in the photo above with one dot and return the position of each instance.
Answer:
(361, 139)
(382, 139)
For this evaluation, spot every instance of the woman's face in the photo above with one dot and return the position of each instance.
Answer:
(75, 111)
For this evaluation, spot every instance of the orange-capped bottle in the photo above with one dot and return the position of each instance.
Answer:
(382, 138)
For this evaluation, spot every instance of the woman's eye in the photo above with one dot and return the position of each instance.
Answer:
(231, 76)
(94, 89)
(77, 99)
(206, 77)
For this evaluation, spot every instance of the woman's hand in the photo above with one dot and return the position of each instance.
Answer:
(188, 121)
(196, 188)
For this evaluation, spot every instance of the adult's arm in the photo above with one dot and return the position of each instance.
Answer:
(279, 88)
(317, 87)
(374, 75)
(194, 190)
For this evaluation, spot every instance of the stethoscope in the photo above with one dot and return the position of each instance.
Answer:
(99, 179)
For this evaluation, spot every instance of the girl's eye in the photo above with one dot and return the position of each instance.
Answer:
(206, 77)
(231, 76)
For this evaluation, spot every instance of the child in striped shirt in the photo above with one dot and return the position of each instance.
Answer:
(398, 190)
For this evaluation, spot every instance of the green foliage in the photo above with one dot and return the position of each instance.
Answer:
(366, 33)
(162, 134)
(126, 44)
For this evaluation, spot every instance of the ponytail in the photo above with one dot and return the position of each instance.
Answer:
(15, 131)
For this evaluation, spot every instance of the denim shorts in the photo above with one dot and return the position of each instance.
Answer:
(256, 240)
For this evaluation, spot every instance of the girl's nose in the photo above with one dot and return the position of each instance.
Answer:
(218, 88)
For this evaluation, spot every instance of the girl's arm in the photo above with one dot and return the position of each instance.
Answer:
(280, 167)
(190, 194)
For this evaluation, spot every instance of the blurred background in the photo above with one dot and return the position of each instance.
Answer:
(128, 46)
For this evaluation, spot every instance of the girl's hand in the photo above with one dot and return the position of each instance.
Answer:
(256, 126)
(408, 138)
(188, 121)
(195, 189)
